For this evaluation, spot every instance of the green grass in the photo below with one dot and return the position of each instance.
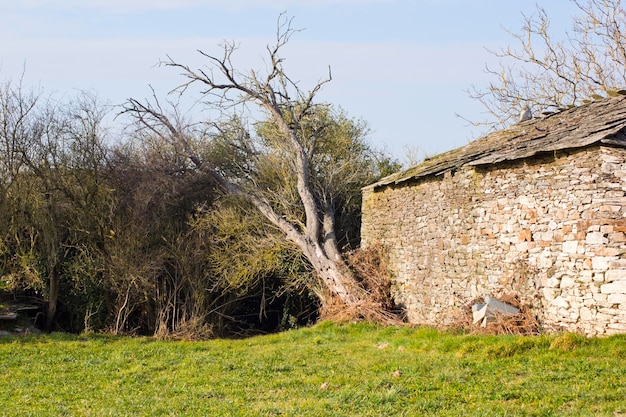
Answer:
(326, 370)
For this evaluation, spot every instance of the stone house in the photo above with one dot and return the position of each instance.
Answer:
(537, 210)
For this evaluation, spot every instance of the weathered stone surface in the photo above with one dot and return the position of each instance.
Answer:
(595, 238)
(615, 287)
(600, 263)
(586, 314)
(551, 230)
(615, 275)
(617, 298)
(561, 302)
(570, 246)
(568, 282)
(615, 328)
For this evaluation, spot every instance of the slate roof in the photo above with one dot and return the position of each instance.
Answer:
(598, 122)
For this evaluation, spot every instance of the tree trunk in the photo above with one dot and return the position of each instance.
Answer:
(330, 238)
(53, 298)
(324, 256)
(334, 274)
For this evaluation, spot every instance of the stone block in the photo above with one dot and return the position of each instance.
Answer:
(618, 264)
(617, 298)
(567, 282)
(600, 263)
(585, 277)
(615, 287)
(524, 246)
(579, 236)
(598, 297)
(616, 328)
(560, 302)
(551, 311)
(545, 261)
(594, 288)
(607, 229)
(610, 159)
(595, 238)
(550, 293)
(525, 235)
(586, 314)
(604, 251)
(610, 208)
(486, 231)
(582, 226)
(617, 237)
(593, 228)
(526, 200)
(615, 275)
(570, 246)
(609, 313)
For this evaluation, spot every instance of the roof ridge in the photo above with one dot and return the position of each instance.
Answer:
(595, 122)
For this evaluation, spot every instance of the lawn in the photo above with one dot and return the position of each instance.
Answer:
(326, 370)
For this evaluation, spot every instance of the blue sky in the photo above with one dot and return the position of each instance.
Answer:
(401, 65)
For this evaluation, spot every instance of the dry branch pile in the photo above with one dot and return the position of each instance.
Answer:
(522, 323)
(370, 269)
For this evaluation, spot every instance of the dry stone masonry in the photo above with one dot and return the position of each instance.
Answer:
(538, 211)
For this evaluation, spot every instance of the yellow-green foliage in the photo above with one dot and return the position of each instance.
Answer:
(245, 249)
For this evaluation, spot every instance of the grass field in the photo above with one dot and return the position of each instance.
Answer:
(326, 370)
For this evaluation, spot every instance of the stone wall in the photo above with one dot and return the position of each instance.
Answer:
(550, 230)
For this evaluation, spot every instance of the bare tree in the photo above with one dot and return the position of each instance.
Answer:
(293, 147)
(550, 72)
(52, 201)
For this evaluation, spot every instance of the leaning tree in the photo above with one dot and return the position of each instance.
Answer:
(295, 142)
(551, 71)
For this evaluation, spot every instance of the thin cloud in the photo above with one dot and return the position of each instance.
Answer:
(371, 64)
(142, 5)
